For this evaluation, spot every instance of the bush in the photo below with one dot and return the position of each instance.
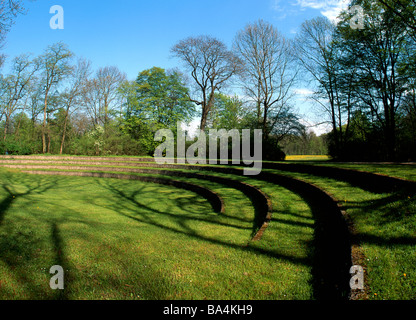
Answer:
(122, 145)
(103, 143)
(16, 148)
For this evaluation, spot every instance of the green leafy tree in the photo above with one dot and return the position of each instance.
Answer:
(405, 12)
(157, 99)
(379, 52)
(162, 97)
(227, 113)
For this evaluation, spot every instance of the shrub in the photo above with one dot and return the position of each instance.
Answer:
(16, 148)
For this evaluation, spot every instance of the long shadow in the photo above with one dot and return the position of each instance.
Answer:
(60, 260)
(143, 217)
(262, 204)
(17, 248)
(331, 247)
(12, 196)
(374, 183)
(386, 215)
(6, 203)
(179, 217)
(387, 242)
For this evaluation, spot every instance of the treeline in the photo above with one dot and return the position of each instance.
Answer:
(306, 143)
(363, 81)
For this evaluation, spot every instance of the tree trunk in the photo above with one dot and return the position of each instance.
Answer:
(49, 141)
(64, 132)
(5, 128)
(206, 108)
(204, 119)
(44, 124)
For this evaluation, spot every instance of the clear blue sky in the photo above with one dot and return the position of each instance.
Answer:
(135, 35)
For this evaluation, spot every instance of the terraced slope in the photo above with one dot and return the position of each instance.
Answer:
(294, 224)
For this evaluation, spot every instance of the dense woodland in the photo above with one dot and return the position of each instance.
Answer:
(364, 84)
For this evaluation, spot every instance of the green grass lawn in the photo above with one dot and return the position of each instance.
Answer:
(120, 239)
(403, 171)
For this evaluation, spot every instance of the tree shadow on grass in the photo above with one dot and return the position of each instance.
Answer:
(11, 195)
(383, 212)
(18, 247)
(332, 243)
(327, 263)
(368, 181)
(60, 260)
(182, 203)
(146, 215)
(331, 246)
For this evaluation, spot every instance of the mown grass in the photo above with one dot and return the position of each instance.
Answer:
(120, 239)
(202, 256)
(402, 171)
(386, 228)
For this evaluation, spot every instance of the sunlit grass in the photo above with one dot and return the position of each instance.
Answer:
(403, 171)
(120, 239)
(175, 247)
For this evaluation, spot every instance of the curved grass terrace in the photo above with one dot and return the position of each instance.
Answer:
(127, 228)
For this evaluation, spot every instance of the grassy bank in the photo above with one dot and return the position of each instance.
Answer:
(131, 240)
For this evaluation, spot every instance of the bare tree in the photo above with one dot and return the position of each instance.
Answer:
(9, 9)
(211, 66)
(101, 94)
(71, 96)
(15, 87)
(35, 101)
(320, 58)
(55, 64)
(90, 98)
(269, 73)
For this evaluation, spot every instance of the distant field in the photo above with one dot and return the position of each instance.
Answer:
(307, 158)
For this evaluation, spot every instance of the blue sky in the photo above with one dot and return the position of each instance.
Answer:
(135, 35)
